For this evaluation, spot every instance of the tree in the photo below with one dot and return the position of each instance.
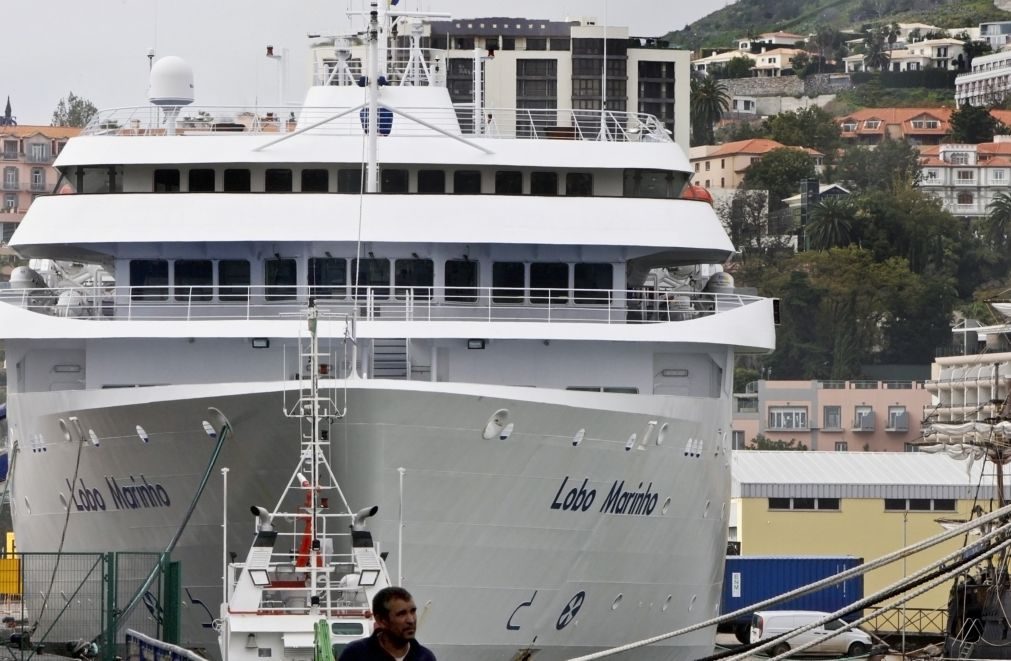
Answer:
(974, 124)
(709, 100)
(737, 67)
(761, 442)
(892, 165)
(876, 56)
(746, 219)
(997, 225)
(780, 172)
(831, 222)
(972, 49)
(891, 34)
(73, 110)
(807, 127)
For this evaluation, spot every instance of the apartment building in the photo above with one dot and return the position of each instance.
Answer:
(967, 177)
(996, 33)
(988, 82)
(724, 166)
(27, 154)
(840, 416)
(920, 126)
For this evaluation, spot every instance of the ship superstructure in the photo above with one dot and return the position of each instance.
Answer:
(528, 323)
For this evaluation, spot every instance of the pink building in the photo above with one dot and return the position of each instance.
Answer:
(875, 416)
(27, 154)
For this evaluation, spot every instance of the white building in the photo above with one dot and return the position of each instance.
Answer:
(995, 33)
(719, 60)
(967, 177)
(940, 53)
(988, 82)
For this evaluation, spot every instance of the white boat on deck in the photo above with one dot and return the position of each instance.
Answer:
(538, 371)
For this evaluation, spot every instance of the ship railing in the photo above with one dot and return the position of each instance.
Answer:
(288, 588)
(376, 303)
(460, 119)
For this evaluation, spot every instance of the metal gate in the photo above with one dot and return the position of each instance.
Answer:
(80, 604)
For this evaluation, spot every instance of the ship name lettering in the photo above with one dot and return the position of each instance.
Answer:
(85, 499)
(641, 502)
(576, 499)
(137, 495)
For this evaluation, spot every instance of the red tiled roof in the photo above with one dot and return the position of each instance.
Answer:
(753, 146)
(901, 117)
(988, 154)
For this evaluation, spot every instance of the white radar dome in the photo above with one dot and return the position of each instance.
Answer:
(171, 82)
(720, 282)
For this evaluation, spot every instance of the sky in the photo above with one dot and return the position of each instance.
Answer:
(99, 49)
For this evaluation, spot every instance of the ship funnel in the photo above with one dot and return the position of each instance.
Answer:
(358, 522)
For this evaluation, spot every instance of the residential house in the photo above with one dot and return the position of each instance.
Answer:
(770, 39)
(996, 33)
(967, 177)
(987, 83)
(840, 416)
(921, 126)
(719, 60)
(777, 62)
(860, 504)
(723, 166)
(941, 53)
(27, 154)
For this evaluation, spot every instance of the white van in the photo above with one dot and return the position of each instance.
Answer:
(768, 624)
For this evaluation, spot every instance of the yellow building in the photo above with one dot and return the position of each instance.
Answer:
(863, 504)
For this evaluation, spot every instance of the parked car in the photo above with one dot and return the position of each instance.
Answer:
(768, 624)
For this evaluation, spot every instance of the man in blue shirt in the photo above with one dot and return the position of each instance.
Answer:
(396, 624)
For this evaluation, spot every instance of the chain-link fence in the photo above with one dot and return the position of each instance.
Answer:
(80, 604)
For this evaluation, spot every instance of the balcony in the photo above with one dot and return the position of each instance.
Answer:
(38, 187)
(864, 422)
(37, 158)
(898, 422)
(10, 186)
(10, 156)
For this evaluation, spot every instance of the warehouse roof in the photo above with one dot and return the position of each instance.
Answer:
(758, 474)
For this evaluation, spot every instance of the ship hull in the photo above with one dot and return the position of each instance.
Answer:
(562, 534)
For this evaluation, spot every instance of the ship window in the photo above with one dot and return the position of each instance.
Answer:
(276, 180)
(201, 180)
(507, 280)
(193, 279)
(328, 277)
(315, 181)
(549, 282)
(544, 183)
(280, 277)
(237, 180)
(349, 181)
(166, 181)
(508, 182)
(593, 283)
(100, 179)
(651, 183)
(393, 181)
(431, 181)
(149, 279)
(467, 182)
(415, 274)
(461, 281)
(233, 279)
(374, 273)
(579, 184)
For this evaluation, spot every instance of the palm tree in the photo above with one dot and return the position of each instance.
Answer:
(875, 54)
(891, 34)
(831, 223)
(998, 220)
(709, 100)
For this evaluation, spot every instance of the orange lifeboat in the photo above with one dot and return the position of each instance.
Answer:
(698, 193)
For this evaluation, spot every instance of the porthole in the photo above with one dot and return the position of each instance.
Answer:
(94, 438)
(65, 430)
(506, 433)
(691, 604)
(578, 438)
(666, 506)
(661, 435)
(630, 443)
(143, 434)
(617, 600)
(496, 424)
(666, 602)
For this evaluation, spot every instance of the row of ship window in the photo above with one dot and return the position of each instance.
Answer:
(328, 278)
(636, 182)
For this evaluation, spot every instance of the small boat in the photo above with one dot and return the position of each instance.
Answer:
(306, 586)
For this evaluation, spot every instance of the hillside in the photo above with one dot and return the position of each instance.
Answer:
(744, 17)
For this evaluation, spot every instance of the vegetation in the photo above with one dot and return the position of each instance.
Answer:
(73, 110)
(780, 172)
(761, 442)
(709, 100)
(974, 124)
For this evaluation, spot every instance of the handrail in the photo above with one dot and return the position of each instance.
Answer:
(376, 303)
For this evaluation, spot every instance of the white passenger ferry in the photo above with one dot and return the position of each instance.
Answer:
(526, 321)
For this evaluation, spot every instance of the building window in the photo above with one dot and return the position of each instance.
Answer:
(849, 127)
(708, 165)
(965, 176)
(804, 504)
(536, 43)
(998, 175)
(10, 150)
(38, 152)
(737, 440)
(841, 446)
(919, 505)
(863, 418)
(872, 124)
(831, 418)
(10, 177)
(926, 124)
(898, 418)
(10, 201)
(38, 179)
(787, 417)
(965, 199)
(930, 175)
(959, 158)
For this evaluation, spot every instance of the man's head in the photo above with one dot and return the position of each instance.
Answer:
(396, 613)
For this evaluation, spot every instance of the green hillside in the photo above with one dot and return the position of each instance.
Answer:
(744, 17)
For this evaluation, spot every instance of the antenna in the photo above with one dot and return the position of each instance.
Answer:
(603, 83)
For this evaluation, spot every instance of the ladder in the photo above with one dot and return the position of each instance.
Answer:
(389, 358)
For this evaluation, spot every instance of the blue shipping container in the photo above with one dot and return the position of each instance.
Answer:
(748, 580)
